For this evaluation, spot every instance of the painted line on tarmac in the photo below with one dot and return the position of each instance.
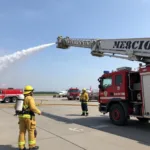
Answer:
(76, 129)
(65, 105)
(10, 106)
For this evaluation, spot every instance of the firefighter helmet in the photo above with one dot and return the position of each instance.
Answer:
(84, 89)
(28, 89)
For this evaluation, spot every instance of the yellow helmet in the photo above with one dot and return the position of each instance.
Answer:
(28, 89)
(84, 89)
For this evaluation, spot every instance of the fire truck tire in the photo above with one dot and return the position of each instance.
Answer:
(117, 115)
(7, 100)
(14, 99)
(143, 120)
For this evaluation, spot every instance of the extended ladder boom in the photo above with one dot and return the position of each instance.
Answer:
(135, 49)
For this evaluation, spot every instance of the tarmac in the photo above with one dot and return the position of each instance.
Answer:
(60, 127)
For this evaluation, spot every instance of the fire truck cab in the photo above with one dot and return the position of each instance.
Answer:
(73, 93)
(124, 93)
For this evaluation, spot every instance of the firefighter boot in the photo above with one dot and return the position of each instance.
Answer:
(83, 114)
(22, 149)
(34, 148)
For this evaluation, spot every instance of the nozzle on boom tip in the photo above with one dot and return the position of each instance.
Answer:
(62, 43)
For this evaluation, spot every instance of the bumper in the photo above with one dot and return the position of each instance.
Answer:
(73, 97)
(102, 108)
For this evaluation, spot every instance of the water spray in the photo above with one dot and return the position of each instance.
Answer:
(5, 60)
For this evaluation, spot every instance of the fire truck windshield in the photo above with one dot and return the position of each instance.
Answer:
(74, 91)
(106, 82)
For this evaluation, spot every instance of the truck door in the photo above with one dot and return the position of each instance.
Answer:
(119, 86)
(106, 92)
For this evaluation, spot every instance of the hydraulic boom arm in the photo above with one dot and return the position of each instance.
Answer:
(134, 49)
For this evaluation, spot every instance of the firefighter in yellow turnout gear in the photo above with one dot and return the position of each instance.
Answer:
(27, 120)
(84, 100)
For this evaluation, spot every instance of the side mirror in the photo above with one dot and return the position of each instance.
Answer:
(100, 87)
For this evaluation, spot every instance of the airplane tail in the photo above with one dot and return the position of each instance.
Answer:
(90, 88)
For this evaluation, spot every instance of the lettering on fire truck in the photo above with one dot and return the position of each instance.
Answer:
(132, 45)
(80, 42)
(105, 93)
(118, 94)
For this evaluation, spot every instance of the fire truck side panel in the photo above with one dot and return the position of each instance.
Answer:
(9, 93)
(1, 96)
(146, 93)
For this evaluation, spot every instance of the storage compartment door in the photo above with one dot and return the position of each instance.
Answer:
(146, 94)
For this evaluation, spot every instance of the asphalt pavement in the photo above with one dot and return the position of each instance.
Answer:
(61, 127)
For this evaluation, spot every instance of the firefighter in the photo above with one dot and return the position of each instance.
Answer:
(27, 120)
(84, 100)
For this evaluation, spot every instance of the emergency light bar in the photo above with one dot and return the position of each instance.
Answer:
(106, 72)
(124, 68)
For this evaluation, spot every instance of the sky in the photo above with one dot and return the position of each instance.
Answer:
(26, 24)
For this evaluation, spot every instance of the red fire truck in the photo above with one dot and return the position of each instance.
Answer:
(9, 95)
(73, 93)
(122, 93)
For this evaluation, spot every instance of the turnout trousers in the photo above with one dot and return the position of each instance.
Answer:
(26, 124)
(84, 108)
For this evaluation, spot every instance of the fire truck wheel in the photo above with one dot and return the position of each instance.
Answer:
(143, 120)
(7, 100)
(117, 115)
(14, 99)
